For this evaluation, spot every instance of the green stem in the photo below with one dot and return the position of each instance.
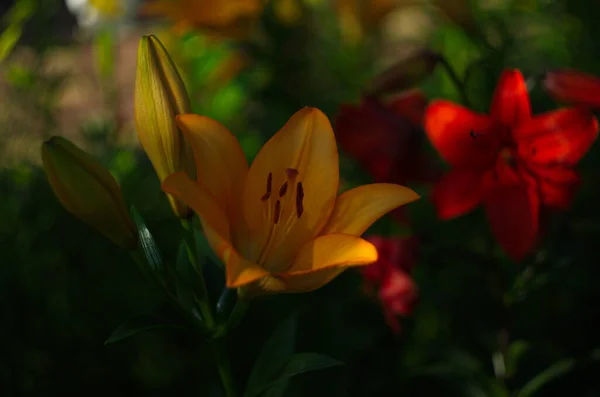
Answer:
(204, 300)
(218, 343)
(460, 86)
(224, 367)
(140, 260)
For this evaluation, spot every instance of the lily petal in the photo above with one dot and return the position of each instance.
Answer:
(510, 105)
(458, 192)
(200, 200)
(239, 271)
(357, 209)
(322, 259)
(220, 161)
(558, 137)
(513, 214)
(572, 86)
(299, 169)
(462, 137)
(411, 104)
(557, 185)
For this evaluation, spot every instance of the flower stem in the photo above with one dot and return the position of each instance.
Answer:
(204, 300)
(218, 343)
(224, 367)
(460, 86)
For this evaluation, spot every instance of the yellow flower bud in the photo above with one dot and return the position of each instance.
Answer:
(160, 96)
(88, 191)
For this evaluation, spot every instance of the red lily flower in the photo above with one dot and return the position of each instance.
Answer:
(510, 161)
(387, 139)
(397, 291)
(571, 86)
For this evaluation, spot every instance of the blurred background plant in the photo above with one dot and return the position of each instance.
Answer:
(482, 325)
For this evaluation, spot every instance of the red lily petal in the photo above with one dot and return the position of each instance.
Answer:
(398, 292)
(383, 140)
(458, 192)
(571, 86)
(513, 214)
(555, 196)
(510, 105)
(462, 137)
(392, 320)
(554, 174)
(394, 253)
(557, 185)
(410, 105)
(558, 137)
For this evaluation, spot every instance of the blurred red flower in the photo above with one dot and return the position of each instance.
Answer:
(390, 275)
(571, 86)
(387, 139)
(510, 161)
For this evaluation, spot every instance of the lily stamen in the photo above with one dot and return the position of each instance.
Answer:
(299, 199)
(278, 230)
(267, 195)
(283, 189)
(277, 212)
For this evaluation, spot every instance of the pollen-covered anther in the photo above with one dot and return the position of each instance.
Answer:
(267, 195)
(299, 199)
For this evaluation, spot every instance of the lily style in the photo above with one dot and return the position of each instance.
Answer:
(279, 225)
(510, 161)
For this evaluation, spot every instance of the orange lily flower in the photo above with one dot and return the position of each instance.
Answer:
(229, 19)
(279, 225)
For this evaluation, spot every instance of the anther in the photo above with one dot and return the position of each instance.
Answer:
(291, 172)
(277, 211)
(283, 189)
(269, 183)
(299, 198)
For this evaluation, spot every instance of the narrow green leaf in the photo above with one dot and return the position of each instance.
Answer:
(554, 371)
(299, 364)
(9, 39)
(142, 323)
(149, 248)
(276, 352)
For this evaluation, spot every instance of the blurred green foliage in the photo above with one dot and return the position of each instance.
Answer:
(64, 289)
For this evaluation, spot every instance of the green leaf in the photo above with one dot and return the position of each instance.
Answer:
(149, 248)
(276, 352)
(554, 371)
(516, 351)
(299, 364)
(9, 39)
(142, 323)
